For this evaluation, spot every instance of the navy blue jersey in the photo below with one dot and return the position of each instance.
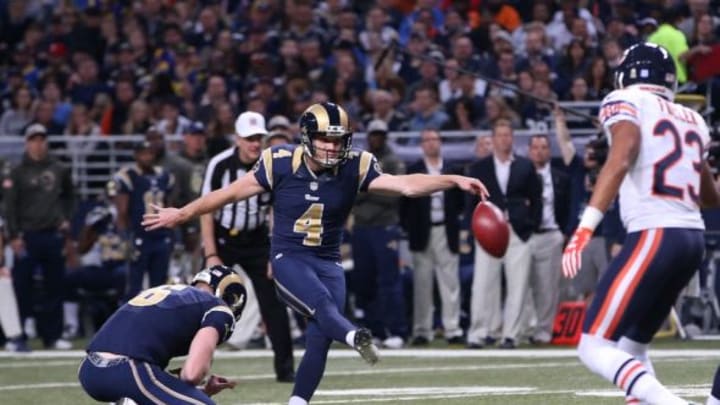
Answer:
(309, 209)
(160, 323)
(144, 189)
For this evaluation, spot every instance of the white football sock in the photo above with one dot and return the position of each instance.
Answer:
(626, 372)
(294, 400)
(350, 338)
(71, 312)
(712, 401)
(637, 350)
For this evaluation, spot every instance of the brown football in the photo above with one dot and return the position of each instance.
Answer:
(490, 228)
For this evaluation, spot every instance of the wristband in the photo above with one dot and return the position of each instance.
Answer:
(591, 217)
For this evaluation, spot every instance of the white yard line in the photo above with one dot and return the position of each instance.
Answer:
(403, 353)
(21, 387)
(424, 394)
(31, 364)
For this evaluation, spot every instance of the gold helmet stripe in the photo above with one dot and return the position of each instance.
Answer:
(321, 116)
(225, 282)
(344, 120)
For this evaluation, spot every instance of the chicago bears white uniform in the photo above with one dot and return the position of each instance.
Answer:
(659, 206)
(663, 186)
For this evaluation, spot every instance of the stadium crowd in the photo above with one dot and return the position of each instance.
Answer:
(172, 67)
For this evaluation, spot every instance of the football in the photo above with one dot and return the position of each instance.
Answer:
(490, 228)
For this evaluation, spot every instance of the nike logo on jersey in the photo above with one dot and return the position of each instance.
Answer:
(311, 197)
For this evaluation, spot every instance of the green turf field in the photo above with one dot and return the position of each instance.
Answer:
(434, 376)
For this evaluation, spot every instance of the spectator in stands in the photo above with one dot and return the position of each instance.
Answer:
(221, 125)
(624, 34)
(698, 10)
(672, 39)
(483, 146)
(427, 112)
(563, 28)
(433, 17)
(507, 74)
(429, 71)
(464, 53)
(115, 117)
(575, 62)
(39, 202)
(449, 87)
(377, 33)
(94, 174)
(409, 69)
(537, 113)
(85, 83)
(61, 109)
(172, 121)
(503, 14)
(496, 109)
(539, 16)
(612, 52)
(383, 108)
(43, 115)
(599, 78)
(302, 25)
(15, 119)
(701, 40)
(215, 93)
(81, 124)
(537, 48)
(466, 109)
(205, 31)
(138, 120)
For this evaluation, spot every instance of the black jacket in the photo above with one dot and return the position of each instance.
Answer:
(523, 201)
(415, 213)
(561, 195)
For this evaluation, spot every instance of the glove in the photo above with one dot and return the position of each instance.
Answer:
(216, 384)
(572, 255)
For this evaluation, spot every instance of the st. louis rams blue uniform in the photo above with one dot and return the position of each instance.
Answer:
(103, 265)
(152, 248)
(309, 213)
(149, 330)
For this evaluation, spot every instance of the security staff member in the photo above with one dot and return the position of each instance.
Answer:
(238, 234)
(39, 202)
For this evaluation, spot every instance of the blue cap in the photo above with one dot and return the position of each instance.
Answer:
(196, 128)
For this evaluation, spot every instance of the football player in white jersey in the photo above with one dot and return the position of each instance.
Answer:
(656, 162)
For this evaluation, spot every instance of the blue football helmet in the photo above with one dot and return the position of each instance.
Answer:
(227, 285)
(329, 120)
(647, 63)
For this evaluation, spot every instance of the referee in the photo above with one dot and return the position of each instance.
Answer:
(237, 234)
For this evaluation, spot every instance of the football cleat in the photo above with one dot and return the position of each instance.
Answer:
(365, 346)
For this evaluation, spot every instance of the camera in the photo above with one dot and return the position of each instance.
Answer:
(598, 149)
(713, 150)
(596, 154)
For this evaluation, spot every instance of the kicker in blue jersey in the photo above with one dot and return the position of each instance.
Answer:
(310, 209)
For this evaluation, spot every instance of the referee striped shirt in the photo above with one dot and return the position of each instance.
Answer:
(241, 216)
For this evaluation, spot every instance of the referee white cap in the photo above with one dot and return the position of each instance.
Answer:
(250, 123)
